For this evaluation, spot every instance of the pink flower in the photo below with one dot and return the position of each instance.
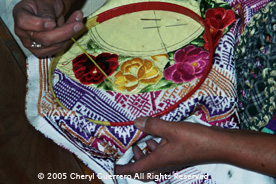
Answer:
(191, 63)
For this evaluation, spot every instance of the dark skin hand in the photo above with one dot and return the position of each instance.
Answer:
(43, 22)
(183, 144)
(189, 144)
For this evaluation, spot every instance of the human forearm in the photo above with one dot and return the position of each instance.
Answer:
(188, 144)
(251, 150)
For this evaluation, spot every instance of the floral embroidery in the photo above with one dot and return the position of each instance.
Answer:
(217, 19)
(135, 71)
(87, 73)
(191, 63)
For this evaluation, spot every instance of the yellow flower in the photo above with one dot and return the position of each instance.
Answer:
(136, 71)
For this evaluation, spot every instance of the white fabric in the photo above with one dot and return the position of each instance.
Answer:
(221, 173)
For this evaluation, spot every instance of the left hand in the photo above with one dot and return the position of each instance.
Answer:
(41, 26)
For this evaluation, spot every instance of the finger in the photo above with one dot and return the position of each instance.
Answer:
(60, 21)
(154, 126)
(152, 144)
(50, 9)
(162, 142)
(146, 164)
(46, 10)
(47, 51)
(25, 18)
(26, 42)
(76, 16)
(24, 35)
(57, 35)
(138, 153)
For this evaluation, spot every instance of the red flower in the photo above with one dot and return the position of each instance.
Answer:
(217, 20)
(86, 71)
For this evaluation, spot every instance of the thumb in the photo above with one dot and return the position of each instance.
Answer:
(154, 126)
(46, 10)
(49, 10)
(28, 15)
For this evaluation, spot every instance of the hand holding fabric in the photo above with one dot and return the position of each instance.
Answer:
(183, 144)
(41, 26)
(188, 144)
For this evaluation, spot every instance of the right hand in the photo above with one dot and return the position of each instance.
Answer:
(187, 144)
(43, 22)
(183, 144)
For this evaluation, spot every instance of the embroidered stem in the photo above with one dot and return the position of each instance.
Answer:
(93, 61)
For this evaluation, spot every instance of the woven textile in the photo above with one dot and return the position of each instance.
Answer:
(256, 68)
(100, 147)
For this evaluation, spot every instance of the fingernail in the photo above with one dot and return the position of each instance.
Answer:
(140, 122)
(77, 27)
(49, 25)
(79, 17)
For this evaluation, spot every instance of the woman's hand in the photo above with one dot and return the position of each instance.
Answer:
(183, 144)
(187, 144)
(41, 26)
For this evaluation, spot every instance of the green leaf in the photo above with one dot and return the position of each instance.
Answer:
(108, 85)
(161, 85)
(223, 5)
(91, 46)
(199, 42)
(105, 85)
(205, 5)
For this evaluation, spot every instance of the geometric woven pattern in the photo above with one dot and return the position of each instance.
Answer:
(100, 146)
